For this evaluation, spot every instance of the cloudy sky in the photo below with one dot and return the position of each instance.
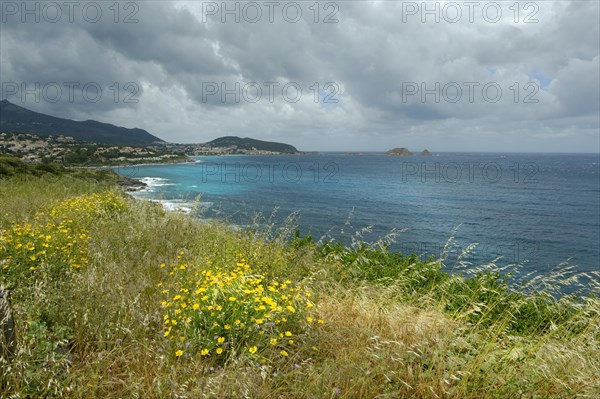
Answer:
(339, 75)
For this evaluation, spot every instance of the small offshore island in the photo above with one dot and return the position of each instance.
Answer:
(404, 152)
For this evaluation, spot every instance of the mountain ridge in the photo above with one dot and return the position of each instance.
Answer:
(19, 119)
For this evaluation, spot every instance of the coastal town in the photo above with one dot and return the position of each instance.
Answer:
(66, 150)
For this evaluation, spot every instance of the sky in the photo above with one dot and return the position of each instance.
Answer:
(326, 76)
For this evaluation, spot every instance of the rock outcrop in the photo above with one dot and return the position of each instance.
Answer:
(399, 151)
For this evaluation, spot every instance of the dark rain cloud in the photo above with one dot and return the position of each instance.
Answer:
(169, 56)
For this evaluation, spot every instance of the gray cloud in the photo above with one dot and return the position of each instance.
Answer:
(376, 55)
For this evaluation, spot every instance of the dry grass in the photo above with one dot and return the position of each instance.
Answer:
(378, 340)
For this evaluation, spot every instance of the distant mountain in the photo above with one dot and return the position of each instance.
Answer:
(251, 144)
(14, 118)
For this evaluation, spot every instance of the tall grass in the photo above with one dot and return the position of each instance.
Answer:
(393, 326)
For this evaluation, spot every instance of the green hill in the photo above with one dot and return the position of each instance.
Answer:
(252, 144)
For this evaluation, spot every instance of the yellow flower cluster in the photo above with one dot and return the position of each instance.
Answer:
(88, 207)
(55, 241)
(29, 247)
(217, 311)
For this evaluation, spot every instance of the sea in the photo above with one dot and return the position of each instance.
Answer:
(536, 212)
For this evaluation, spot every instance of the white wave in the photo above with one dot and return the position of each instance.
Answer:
(156, 181)
(176, 205)
(152, 183)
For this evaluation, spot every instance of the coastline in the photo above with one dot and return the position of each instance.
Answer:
(136, 187)
(127, 165)
(129, 184)
(136, 184)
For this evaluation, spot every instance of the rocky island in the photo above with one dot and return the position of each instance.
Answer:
(403, 152)
(400, 151)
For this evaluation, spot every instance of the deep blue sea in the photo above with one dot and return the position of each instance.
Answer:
(536, 210)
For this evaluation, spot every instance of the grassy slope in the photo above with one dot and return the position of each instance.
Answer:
(394, 326)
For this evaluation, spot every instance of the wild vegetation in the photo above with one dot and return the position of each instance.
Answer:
(114, 298)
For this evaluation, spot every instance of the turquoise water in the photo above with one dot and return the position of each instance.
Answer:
(537, 210)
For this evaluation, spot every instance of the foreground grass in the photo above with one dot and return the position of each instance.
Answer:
(366, 322)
